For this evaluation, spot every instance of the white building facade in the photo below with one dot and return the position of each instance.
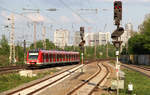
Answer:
(127, 33)
(99, 38)
(61, 38)
(77, 38)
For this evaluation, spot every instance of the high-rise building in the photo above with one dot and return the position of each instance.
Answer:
(127, 33)
(104, 38)
(99, 38)
(89, 38)
(77, 38)
(61, 38)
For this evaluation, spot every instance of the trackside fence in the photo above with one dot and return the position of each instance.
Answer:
(136, 59)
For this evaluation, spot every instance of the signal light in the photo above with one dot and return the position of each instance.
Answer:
(117, 33)
(82, 32)
(117, 12)
(81, 28)
(82, 43)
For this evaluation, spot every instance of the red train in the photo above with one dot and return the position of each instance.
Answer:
(45, 57)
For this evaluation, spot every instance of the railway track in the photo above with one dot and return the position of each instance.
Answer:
(10, 69)
(144, 70)
(88, 86)
(39, 86)
(142, 67)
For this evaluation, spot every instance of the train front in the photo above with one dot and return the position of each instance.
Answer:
(32, 57)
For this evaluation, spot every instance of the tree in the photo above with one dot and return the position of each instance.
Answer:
(140, 43)
(39, 45)
(49, 44)
(4, 49)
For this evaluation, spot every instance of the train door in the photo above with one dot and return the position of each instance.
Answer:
(43, 58)
(72, 57)
(54, 58)
(50, 58)
(61, 56)
(46, 58)
(64, 57)
(68, 57)
(57, 55)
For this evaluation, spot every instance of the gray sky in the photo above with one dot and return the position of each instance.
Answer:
(68, 16)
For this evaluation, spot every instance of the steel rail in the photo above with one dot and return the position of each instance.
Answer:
(24, 88)
(81, 84)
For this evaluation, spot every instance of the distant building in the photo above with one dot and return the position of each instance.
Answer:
(104, 38)
(77, 38)
(61, 38)
(99, 38)
(89, 37)
(127, 33)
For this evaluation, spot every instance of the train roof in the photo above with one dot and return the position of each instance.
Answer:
(54, 51)
(62, 52)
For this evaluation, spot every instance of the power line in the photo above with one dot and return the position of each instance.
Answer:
(73, 11)
(14, 12)
(53, 20)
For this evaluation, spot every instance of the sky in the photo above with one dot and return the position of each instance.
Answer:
(68, 15)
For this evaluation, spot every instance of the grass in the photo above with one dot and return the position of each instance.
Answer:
(4, 60)
(141, 83)
(13, 80)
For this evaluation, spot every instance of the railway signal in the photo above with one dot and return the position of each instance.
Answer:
(117, 33)
(81, 44)
(82, 32)
(117, 12)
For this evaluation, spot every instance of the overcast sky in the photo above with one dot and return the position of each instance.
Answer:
(68, 16)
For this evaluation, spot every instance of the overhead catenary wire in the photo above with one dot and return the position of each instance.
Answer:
(61, 1)
(16, 13)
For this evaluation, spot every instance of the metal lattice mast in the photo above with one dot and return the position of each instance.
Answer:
(12, 45)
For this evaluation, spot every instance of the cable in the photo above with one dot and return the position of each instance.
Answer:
(53, 20)
(14, 12)
(74, 11)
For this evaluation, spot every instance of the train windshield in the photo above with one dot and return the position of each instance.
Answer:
(33, 55)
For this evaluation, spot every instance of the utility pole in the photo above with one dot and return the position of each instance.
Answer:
(95, 49)
(34, 35)
(107, 47)
(44, 38)
(12, 46)
(24, 50)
